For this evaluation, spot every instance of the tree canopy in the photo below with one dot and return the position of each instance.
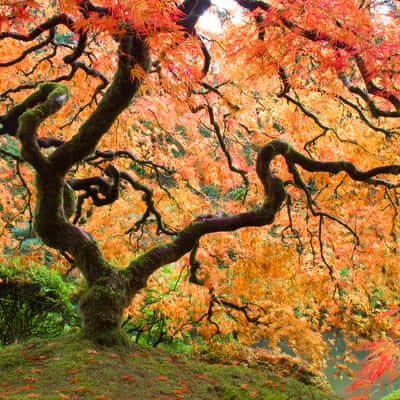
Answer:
(247, 175)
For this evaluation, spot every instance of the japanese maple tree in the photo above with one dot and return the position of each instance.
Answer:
(259, 160)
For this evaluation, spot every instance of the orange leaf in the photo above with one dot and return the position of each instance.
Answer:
(36, 371)
(81, 389)
(72, 371)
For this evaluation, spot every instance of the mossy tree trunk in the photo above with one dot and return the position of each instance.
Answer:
(101, 308)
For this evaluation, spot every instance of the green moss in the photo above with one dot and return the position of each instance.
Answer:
(74, 367)
(101, 309)
(49, 98)
(115, 337)
(69, 200)
(103, 304)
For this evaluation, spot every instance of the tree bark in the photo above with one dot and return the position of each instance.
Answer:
(101, 308)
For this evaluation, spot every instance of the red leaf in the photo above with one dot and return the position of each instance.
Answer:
(128, 378)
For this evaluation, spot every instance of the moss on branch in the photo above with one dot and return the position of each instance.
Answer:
(45, 101)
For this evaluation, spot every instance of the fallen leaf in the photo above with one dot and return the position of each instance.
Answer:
(36, 371)
(72, 371)
(81, 389)
(128, 378)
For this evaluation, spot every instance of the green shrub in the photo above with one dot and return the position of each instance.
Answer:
(34, 301)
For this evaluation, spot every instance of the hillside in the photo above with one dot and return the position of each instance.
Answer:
(71, 368)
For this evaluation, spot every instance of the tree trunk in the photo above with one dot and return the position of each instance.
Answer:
(101, 308)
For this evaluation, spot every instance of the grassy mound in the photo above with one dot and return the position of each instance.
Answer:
(72, 368)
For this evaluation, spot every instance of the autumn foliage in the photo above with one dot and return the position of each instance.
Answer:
(207, 165)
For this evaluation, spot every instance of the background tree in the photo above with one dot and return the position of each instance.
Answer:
(140, 140)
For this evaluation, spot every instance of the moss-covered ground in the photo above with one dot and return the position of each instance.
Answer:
(72, 368)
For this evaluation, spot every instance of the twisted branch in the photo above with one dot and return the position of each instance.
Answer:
(188, 238)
